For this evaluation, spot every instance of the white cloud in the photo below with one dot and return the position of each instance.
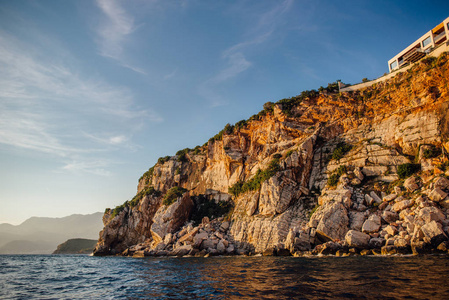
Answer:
(235, 56)
(47, 106)
(116, 26)
(114, 31)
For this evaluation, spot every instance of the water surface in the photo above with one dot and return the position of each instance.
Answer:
(84, 277)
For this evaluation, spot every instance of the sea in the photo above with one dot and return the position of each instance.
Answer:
(238, 277)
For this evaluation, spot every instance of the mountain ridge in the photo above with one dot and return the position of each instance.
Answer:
(47, 233)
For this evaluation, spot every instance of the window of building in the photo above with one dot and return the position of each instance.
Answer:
(426, 42)
(394, 65)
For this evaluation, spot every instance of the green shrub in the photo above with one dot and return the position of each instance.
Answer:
(341, 170)
(333, 179)
(341, 149)
(289, 152)
(313, 210)
(406, 170)
(163, 160)
(240, 124)
(256, 181)
(181, 154)
(147, 175)
(268, 107)
(208, 208)
(145, 192)
(431, 152)
(197, 150)
(119, 209)
(172, 194)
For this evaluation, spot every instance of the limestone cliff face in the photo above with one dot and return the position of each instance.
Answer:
(276, 166)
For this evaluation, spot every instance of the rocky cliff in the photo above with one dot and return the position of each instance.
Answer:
(322, 172)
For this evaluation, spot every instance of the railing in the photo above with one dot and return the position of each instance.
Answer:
(439, 37)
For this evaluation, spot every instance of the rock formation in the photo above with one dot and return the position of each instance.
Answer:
(324, 172)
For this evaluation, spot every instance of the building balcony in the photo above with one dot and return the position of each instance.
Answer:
(414, 55)
(439, 38)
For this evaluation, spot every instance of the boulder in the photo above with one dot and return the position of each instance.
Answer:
(429, 214)
(397, 190)
(372, 224)
(376, 242)
(356, 220)
(140, 253)
(230, 249)
(389, 216)
(401, 243)
(433, 234)
(224, 226)
(375, 197)
(290, 241)
(411, 184)
(209, 244)
(437, 195)
(389, 198)
(170, 218)
(186, 237)
(182, 250)
(441, 183)
(445, 203)
(198, 239)
(221, 248)
(329, 248)
(357, 239)
(391, 230)
(358, 173)
(401, 205)
(331, 219)
(369, 200)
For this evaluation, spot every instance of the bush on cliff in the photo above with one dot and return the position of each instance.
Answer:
(407, 170)
(255, 183)
(172, 194)
(208, 208)
(333, 180)
(146, 192)
(431, 152)
(341, 149)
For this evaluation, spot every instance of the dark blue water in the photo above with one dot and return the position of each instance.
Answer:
(84, 277)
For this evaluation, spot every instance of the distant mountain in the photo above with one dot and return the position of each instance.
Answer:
(39, 235)
(76, 246)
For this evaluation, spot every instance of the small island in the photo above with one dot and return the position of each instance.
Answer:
(76, 246)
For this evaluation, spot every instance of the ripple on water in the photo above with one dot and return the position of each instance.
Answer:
(82, 277)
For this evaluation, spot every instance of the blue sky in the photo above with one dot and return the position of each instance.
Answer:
(93, 92)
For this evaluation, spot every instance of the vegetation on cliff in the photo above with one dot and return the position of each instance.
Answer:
(256, 181)
(354, 156)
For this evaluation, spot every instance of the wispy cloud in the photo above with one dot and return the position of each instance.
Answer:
(114, 30)
(236, 57)
(48, 106)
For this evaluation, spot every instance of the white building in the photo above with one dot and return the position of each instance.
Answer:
(435, 38)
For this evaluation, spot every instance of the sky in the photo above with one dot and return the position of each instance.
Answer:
(92, 92)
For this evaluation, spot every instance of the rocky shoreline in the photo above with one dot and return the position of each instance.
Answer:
(399, 223)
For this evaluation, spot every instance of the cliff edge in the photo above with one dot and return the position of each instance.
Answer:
(322, 172)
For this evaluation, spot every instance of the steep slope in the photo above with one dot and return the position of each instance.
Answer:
(322, 151)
